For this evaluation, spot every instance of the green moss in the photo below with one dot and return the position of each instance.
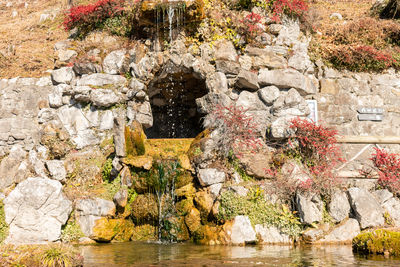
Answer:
(71, 231)
(111, 188)
(236, 166)
(134, 140)
(144, 232)
(106, 171)
(3, 224)
(259, 211)
(380, 241)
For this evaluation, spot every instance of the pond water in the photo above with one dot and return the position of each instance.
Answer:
(188, 254)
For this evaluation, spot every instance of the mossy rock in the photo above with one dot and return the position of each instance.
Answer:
(106, 230)
(175, 229)
(193, 220)
(194, 153)
(124, 231)
(184, 206)
(3, 225)
(145, 209)
(141, 162)
(204, 202)
(209, 235)
(184, 161)
(187, 191)
(140, 183)
(381, 241)
(183, 179)
(135, 139)
(144, 232)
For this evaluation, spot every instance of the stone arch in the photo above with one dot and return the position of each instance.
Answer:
(172, 94)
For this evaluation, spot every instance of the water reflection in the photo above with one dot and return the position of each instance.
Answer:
(152, 254)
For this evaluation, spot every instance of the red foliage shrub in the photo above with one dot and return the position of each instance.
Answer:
(251, 25)
(293, 8)
(237, 132)
(388, 167)
(89, 17)
(314, 146)
(361, 58)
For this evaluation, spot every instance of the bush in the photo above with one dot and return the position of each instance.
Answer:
(388, 167)
(237, 132)
(291, 8)
(259, 210)
(87, 18)
(314, 146)
(378, 242)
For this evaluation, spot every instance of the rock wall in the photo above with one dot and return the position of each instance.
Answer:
(77, 108)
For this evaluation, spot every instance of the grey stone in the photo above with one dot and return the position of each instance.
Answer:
(247, 80)
(207, 103)
(266, 58)
(367, 210)
(309, 208)
(63, 75)
(46, 115)
(35, 211)
(280, 127)
(202, 68)
(336, 16)
(121, 198)
(239, 190)
(82, 68)
(312, 235)
(116, 62)
(101, 79)
(287, 78)
(242, 231)
(56, 169)
(269, 94)
(339, 207)
(136, 85)
(392, 206)
(294, 171)
(217, 83)
(228, 67)
(66, 55)
(37, 164)
(141, 112)
(215, 189)
(107, 120)
(13, 168)
(275, 28)
(119, 134)
(250, 101)
(289, 34)
(382, 195)
(88, 211)
(271, 235)
(290, 104)
(343, 233)
(224, 50)
(55, 98)
(210, 176)
(104, 98)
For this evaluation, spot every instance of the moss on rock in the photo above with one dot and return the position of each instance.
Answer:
(144, 232)
(3, 224)
(106, 230)
(135, 139)
(144, 208)
(381, 241)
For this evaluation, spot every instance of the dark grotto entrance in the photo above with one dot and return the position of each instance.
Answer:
(173, 103)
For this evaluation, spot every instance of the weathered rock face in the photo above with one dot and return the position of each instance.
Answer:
(343, 233)
(210, 176)
(339, 207)
(35, 211)
(309, 207)
(367, 210)
(271, 235)
(56, 169)
(13, 168)
(88, 211)
(240, 231)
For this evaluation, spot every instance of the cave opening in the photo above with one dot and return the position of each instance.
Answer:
(173, 102)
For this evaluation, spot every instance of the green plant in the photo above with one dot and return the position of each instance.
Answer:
(3, 224)
(71, 231)
(379, 241)
(106, 171)
(111, 188)
(58, 255)
(259, 211)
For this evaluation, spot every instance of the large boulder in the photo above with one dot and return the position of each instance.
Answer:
(35, 211)
(116, 62)
(217, 83)
(88, 211)
(240, 231)
(343, 233)
(101, 79)
(366, 208)
(339, 207)
(271, 235)
(104, 98)
(310, 208)
(13, 168)
(63, 75)
(210, 176)
(287, 78)
(224, 50)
